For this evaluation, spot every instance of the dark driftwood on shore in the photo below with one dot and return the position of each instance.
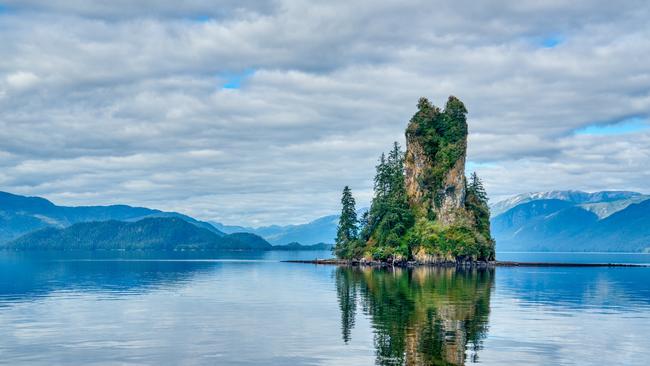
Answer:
(343, 262)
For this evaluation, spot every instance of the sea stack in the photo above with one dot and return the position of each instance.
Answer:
(437, 189)
(424, 209)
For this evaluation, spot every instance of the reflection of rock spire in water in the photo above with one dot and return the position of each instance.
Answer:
(423, 316)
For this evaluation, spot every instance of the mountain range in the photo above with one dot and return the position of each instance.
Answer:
(20, 215)
(602, 203)
(321, 230)
(28, 223)
(153, 233)
(540, 221)
(612, 221)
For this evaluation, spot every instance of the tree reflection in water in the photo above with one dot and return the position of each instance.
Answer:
(420, 316)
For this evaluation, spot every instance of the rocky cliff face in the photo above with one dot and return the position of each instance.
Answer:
(435, 179)
(445, 201)
(452, 193)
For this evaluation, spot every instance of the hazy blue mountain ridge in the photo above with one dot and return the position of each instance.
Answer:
(575, 197)
(557, 225)
(20, 215)
(604, 209)
(321, 230)
(298, 246)
(156, 233)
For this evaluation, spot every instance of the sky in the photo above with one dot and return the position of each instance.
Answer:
(259, 112)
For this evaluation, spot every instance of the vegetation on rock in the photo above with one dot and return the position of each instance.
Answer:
(390, 216)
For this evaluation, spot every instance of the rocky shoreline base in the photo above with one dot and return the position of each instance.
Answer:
(343, 262)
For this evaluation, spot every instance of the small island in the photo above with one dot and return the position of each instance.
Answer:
(424, 210)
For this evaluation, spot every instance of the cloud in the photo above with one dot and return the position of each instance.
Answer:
(120, 9)
(589, 162)
(21, 80)
(257, 113)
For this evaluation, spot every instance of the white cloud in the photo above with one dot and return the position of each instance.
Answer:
(21, 80)
(125, 104)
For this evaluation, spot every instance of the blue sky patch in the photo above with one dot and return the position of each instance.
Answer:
(552, 41)
(629, 125)
(201, 18)
(234, 80)
(472, 166)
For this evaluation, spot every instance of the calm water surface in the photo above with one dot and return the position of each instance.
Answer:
(249, 308)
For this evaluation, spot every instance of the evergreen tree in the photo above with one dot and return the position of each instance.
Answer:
(363, 224)
(347, 232)
(476, 202)
(455, 120)
(390, 216)
(377, 207)
(382, 178)
(397, 187)
(475, 187)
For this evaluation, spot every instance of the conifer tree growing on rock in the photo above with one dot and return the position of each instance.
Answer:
(476, 202)
(347, 231)
(475, 187)
(390, 216)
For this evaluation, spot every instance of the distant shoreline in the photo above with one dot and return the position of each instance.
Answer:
(342, 262)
